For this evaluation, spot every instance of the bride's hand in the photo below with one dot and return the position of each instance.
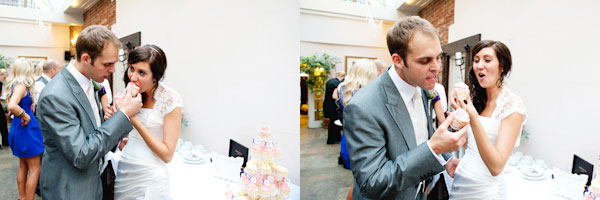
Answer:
(109, 112)
(451, 166)
(469, 107)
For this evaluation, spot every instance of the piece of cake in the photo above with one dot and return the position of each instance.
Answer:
(133, 88)
(461, 90)
(461, 119)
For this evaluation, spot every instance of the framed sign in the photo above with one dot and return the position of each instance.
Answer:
(35, 59)
(350, 60)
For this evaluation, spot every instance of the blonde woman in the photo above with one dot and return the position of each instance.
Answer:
(25, 137)
(39, 70)
(361, 73)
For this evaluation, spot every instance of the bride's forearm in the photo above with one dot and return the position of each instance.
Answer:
(158, 147)
(489, 154)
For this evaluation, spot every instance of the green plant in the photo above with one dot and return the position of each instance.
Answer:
(4, 61)
(317, 68)
(525, 134)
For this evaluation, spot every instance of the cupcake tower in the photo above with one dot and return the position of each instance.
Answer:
(593, 191)
(263, 178)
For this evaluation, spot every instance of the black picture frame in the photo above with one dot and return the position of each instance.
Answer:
(580, 166)
(238, 150)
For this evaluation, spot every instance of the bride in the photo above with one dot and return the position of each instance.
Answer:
(497, 118)
(142, 168)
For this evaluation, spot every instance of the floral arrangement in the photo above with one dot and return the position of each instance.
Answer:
(4, 61)
(317, 68)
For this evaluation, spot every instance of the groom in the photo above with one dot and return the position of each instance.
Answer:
(70, 117)
(393, 149)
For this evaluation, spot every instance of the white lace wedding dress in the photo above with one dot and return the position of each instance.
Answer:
(472, 179)
(141, 174)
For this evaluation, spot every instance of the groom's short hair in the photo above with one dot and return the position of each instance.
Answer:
(400, 35)
(92, 41)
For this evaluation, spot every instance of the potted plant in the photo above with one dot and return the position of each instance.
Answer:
(317, 68)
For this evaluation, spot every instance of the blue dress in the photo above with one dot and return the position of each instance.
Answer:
(343, 145)
(26, 141)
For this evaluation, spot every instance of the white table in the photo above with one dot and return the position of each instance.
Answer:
(196, 181)
(518, 187)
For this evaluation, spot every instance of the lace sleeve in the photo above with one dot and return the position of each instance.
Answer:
(512, 103)
(169, 100)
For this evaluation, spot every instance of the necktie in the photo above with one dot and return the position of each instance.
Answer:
(92, 99)
(417, 117)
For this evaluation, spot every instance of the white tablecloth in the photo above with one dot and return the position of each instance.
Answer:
(518, 187)
(196, 181)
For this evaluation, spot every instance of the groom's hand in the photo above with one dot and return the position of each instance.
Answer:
(131, 105)
(451, 166)
(444, 141)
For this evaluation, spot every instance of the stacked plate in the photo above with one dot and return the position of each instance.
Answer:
(533, 172)
(194, 157)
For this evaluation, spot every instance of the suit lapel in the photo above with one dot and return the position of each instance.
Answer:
(79, 95)
(398, 111)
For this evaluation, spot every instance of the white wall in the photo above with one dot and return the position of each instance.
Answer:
(235, 64)
(22, 38)
(554, 48)
(341, 36)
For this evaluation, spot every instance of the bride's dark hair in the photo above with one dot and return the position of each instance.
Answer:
(154, 56)
(505, 61)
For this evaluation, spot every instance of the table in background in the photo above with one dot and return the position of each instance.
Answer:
(197, 181)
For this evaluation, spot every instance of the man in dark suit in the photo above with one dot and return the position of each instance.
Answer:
(70, 117)
(392, 145)
(330, 108)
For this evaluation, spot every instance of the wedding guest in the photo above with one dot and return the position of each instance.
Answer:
(50, 68)
(361, 73)
(38, 69)
(25, 137)
(497, 117)
(439, 103)
(142, 171)
(75, 135)
(3, 126)
(381, 67)
(392, 146)
(330, 108)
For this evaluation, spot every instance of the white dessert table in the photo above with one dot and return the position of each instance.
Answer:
(197, 181)
(518, 187)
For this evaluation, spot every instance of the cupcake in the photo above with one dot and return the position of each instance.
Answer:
(269, 188)
(462, 90)
(264, 168)
(256, 151)
(251, 168)
(461, 119)
(268, 153)
(252, 190)
(284, 189)
(265, 133)
(276, 151)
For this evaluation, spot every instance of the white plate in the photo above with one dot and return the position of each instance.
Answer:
(532, 171)
(539, 178)
(196, 161)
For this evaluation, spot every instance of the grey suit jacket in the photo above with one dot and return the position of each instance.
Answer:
(74, 144)
(385, 159)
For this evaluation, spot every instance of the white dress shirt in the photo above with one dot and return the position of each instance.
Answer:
(415, 109)
(85, 84)
(39, 85)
